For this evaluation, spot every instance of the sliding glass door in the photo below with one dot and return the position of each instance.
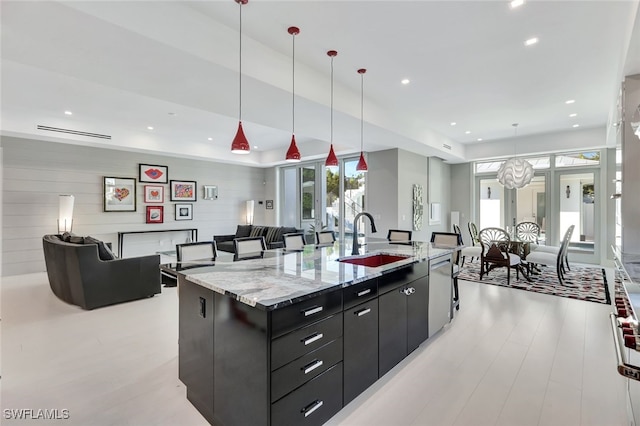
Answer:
(314, 197)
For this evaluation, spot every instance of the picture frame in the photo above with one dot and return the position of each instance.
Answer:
(153, 173)
(153, 194)
(269, 204)
(210, 192)
(183, 190)
(119, 194)
(155, 214)
(184, 211)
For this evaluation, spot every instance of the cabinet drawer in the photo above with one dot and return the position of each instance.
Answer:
(359, 293)
(388, 282)
(305, 312)
(296, 373)
(297, 343)
(312, 404)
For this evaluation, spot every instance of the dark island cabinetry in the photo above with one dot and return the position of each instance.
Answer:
(360, 338)
(403, 315)
(243, 365)
(298, 364)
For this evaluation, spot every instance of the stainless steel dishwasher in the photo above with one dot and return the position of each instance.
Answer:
(440, 293)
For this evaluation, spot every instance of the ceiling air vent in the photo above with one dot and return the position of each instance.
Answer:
(444, 145)
(73, 132)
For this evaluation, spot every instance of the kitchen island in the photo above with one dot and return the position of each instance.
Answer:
(293, 337)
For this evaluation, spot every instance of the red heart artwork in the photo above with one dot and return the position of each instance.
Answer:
(153, 173)
(121, 193)
(155, 193)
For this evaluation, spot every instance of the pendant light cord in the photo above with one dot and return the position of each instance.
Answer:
(331, 121)
(240, 67)
(515, 142)
(293, 85)
(361, 112)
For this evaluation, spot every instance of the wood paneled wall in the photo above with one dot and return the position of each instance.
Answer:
(36, 172)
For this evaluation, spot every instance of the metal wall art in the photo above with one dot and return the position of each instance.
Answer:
(418, 208)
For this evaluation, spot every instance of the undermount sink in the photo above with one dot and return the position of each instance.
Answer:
(374, 260)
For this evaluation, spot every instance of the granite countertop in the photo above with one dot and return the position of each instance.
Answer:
(282, 278)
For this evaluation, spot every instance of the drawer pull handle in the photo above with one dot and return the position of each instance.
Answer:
(309, 340)
(363, 292)
(313, 311)
(310, 367)
(309, 409)
(408, 291)
(363, 312)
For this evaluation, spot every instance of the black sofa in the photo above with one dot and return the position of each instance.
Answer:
(273, 236)
(81, 273)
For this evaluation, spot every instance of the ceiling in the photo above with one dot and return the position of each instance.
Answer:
(120, 67)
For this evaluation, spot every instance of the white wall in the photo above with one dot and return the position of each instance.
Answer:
(36, 172)
(392, 174)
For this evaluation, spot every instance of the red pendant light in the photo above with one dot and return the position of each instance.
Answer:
(293, 154)
(240, 144)
(362, 163)
(332, 160)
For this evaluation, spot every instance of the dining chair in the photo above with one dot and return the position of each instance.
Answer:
(450, 239)
(473, 232)
(201, 251)
(540, 257)
(249, 248)
(469, 251)
(325, 238)
(496, 252)
(294, 241)
(399, 235)
(528, 232)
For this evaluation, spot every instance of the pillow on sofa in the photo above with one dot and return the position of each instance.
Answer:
(257, 231)
(103, 251)
(273, 234)
(243, 231)
(69, 237)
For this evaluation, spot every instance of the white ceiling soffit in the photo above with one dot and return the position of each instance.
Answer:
(173, 65)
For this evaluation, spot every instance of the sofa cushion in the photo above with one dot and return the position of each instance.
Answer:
(243, 231)
(103, 251)
(273, 234)
(257, 231)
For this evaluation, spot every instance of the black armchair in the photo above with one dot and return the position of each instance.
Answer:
(78, 276)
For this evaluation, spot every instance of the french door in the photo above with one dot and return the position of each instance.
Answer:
(577, 199)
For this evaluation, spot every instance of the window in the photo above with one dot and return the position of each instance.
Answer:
(589, 158)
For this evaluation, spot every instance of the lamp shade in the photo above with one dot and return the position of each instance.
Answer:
(293, 154)
(65, 213)
(362, 164)
(332, 160)
(249, 211)
(515, 173)
(240, 145)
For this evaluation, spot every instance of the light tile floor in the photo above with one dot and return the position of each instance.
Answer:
(510, 357)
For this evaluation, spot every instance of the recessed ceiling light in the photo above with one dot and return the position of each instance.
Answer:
(576, 125)
(453, 123)
(255, 147)
(479, 139)
(573, 115)
(570, 101)
(149, 127)
(467, 132)
(531, 41)
(405, 81)
(68, 113)
(210, 139)
(516, 3)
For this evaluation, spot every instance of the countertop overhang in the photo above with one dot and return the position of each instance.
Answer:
(283, 277)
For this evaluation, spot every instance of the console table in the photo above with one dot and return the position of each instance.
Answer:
(192, 236)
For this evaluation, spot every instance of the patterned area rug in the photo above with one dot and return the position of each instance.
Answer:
(581, 283)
